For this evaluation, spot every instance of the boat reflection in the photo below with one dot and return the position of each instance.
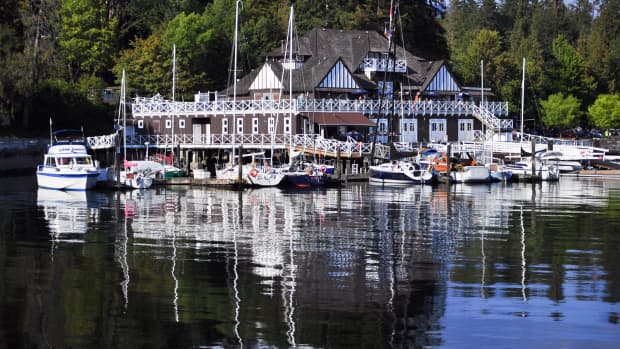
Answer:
(70, 213)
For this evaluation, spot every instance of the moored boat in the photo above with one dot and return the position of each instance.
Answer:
(67, 164)
(470, 174)
(400, 172)
(544, 172)
(133, 177)
(304, 175)
(265, 176)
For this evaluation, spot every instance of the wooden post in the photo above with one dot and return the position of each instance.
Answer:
(448, 155)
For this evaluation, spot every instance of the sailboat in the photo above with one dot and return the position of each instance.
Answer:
(536, 165)
(299, 174)
(401, 169)
(132, 176)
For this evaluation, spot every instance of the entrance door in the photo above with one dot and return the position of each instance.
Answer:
(466, 130)
(197, 133)
(438, 130)
(409, 128)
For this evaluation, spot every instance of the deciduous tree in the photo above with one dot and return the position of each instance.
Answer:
(560, 110)
(605, 112)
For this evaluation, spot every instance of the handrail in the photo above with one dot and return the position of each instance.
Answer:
(142, 107)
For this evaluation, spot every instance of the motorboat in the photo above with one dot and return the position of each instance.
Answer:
(470, 174)
(499, 171)
(401, 172)
(67, 164)
(527, 167)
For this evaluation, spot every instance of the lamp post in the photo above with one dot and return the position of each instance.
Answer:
(146, 145)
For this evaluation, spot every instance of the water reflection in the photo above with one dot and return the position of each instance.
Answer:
(69, 213)
(358, 266)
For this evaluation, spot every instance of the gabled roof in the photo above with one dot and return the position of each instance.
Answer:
(322, 49)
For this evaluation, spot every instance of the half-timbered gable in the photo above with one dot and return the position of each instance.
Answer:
(339, 77)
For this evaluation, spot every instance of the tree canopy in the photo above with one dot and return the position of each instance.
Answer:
(58, 48)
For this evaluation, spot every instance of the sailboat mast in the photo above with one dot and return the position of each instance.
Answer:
(290, 62)
(522, 96)
(236, 38)
(392, 129)
(122, 111)
(174, 66)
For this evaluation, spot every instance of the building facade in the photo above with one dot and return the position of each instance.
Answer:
(336, 83)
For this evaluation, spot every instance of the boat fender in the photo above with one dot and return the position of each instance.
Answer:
(254, 172)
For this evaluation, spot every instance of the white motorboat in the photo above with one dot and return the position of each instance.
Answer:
(67, 165)
(544, 171)
(471, 174)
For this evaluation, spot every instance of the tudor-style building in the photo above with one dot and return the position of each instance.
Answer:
(336, 81)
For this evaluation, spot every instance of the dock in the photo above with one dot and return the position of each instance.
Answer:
(608, 174)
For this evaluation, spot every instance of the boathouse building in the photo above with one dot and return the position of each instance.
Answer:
(336, 83)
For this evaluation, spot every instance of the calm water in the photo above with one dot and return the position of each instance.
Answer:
(485, 266)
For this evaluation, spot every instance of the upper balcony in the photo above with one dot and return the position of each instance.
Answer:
(147, 107)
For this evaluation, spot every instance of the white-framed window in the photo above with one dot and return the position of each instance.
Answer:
(168, 123)
(382, 126)
(181, 123)
(271, 125)
(255, 126)
(140, 123)
(240, 126)
(225, 126)
(287, 125)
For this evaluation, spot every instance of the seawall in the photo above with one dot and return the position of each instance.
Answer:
(21, 156)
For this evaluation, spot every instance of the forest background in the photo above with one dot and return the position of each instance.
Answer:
(59, 57)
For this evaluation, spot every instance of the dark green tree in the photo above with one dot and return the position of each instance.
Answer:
(86, 40)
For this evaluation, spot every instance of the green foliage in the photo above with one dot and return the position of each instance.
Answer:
(560, 111)
(605, 112)
(603, 47)
(86, 38)
(568, 70)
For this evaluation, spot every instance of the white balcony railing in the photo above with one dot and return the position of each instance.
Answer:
(143, 107)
